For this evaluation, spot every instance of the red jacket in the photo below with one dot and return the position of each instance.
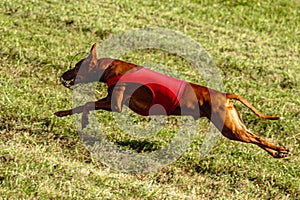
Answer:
(166, 91)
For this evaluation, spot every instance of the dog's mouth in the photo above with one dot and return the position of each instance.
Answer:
(67, 83)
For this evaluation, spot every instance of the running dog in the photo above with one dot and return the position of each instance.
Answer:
(147, 92)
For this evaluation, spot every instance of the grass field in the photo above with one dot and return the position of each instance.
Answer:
(255, 44)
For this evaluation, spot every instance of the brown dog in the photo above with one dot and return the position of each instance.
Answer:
(195, 100)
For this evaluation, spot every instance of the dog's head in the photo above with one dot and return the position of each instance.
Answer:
(89, 69)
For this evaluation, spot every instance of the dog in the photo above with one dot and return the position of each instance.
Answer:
(157, 94)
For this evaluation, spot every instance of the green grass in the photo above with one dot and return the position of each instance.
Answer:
(255, 44)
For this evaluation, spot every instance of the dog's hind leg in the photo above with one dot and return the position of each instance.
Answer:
(235, 129)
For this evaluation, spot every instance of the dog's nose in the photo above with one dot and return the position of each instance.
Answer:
(64, 83)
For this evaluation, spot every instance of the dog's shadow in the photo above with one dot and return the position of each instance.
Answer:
(126, 144)
(139, 146)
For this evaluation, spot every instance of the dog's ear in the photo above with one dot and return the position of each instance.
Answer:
(93, 52)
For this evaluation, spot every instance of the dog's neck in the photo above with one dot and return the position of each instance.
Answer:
(113, 67)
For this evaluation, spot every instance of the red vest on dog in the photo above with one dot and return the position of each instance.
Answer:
(166, 91)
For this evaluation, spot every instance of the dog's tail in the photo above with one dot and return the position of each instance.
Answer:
(246, 103)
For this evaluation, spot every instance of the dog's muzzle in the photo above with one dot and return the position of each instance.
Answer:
(67, 84)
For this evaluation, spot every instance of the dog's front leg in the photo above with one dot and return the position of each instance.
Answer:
(110, 103)
(63, 113)
(101, 104)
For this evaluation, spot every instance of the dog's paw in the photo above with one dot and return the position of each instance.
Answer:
(60, 113)
(281, 154)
